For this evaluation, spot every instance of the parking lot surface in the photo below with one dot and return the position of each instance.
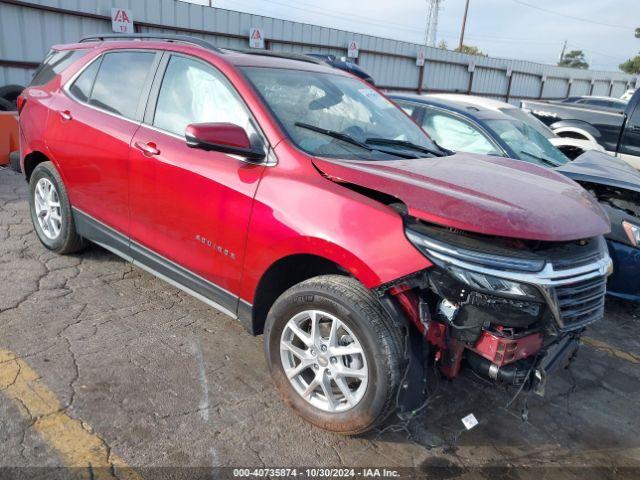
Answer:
(103, 364)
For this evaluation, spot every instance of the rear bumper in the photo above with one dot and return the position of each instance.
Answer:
(624, 283)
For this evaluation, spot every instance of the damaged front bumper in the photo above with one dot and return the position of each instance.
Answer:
(514, 318)
(557, 356)
(533, 370)
(514, 292)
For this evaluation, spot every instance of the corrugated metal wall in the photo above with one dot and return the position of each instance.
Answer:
(29, 28)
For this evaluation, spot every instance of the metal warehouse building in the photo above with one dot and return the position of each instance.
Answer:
(29, 28)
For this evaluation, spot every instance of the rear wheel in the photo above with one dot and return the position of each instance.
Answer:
(51, 211)
(334, 354)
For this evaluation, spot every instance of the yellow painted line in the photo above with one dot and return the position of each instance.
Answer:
(78, 447)
(615, 352)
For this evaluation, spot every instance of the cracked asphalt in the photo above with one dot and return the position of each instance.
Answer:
(162, 380)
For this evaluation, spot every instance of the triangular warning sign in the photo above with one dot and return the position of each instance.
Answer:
(256, 35)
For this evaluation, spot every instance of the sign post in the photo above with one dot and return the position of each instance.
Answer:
(256, 37)
(352, 49)
(420, 58)
(122, 20)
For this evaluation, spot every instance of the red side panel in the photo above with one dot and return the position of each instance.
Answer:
(192, 206)
(298, 211)
(92, 148)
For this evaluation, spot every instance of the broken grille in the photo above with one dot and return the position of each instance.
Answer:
(580, 303)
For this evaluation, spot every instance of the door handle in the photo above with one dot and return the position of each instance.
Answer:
(148, 149)
(65, 114)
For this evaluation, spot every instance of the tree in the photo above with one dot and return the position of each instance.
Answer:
(442, 45)
(631, 66)
(470, 50)
(574, 59)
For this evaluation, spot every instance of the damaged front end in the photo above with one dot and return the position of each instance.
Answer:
(512, 309)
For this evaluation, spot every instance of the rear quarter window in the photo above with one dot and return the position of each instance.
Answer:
(53, 64)
(83, 85)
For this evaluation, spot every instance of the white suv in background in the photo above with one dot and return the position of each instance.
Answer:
(626, 96)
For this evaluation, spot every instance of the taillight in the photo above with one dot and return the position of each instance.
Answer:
(20, 102)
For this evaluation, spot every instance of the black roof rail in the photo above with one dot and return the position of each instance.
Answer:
(152, 36)
(288, 55)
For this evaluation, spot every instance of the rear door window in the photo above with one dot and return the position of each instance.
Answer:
(53, 64)
(120, 82)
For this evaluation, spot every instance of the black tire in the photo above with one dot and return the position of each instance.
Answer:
(10, 93)
(14, 161)
(6, 106)
(381, 340)
(68, 240)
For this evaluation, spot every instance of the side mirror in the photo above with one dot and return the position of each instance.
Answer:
(221, 137)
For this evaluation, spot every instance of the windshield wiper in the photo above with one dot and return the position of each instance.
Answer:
(332, 133)
(404, 144)
(349, 139)
(542, 159)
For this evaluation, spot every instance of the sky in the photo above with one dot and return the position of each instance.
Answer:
(531, 30)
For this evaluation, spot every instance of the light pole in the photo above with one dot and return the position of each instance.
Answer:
(564, 47)
(464, 24)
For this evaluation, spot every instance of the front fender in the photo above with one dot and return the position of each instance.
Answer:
(312, 215)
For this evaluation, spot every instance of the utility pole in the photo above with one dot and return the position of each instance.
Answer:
(464, 24)
(564, 47)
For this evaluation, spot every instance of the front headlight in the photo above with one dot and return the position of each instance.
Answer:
(633, 232)
(438, 252)
(489, 283)
(461, 263)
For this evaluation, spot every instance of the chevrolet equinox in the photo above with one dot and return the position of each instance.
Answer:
(299, 200)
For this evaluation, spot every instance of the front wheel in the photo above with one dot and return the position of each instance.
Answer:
(334, 354)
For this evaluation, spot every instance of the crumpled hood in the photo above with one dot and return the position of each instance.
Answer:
(604, 169)
(488, 195)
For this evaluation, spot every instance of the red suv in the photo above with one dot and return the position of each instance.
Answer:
(299, 200)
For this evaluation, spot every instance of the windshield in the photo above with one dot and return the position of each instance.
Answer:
(530, 120)
(527, 142)
(339, 117)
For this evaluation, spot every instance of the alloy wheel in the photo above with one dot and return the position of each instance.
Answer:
(324, 361)
(48, 210)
